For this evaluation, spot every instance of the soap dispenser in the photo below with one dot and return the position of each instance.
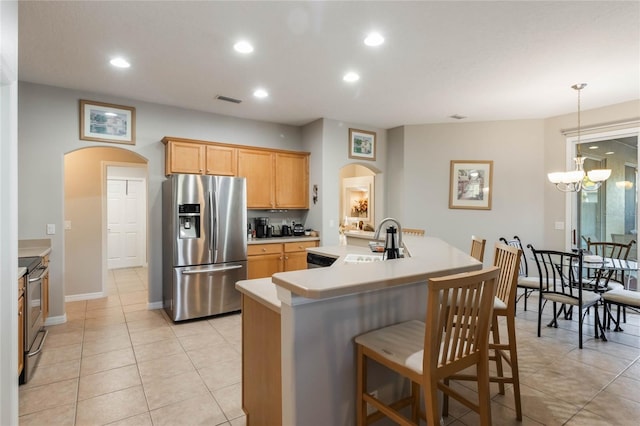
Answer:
(391, 249)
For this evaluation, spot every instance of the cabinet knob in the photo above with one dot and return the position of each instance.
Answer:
(286, 258)
(264, 249)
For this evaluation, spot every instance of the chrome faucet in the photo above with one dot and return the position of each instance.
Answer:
(376, 236)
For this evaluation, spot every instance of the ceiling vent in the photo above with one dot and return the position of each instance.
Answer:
(228, 99)
(458, 116)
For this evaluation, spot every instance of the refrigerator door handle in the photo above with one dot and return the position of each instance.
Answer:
(210, 209)
(214, 228)
(204, 271)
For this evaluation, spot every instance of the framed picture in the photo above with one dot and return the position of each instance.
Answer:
(102, 122)
(362, 144)
(470, 186)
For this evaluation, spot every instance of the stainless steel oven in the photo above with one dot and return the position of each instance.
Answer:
(35, 333)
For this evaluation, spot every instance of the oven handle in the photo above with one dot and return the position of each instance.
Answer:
(204, 271)
(39, 277)
(37, 351)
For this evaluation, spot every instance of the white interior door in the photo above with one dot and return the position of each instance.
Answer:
(125, 223)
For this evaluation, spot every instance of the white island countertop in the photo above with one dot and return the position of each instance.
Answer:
(427, 257)
(321, 310)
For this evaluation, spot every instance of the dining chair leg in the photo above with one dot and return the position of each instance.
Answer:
(497, 355)
(484, 392)
(431, 402)
(361, 374)
(415, 402)
(513, 357)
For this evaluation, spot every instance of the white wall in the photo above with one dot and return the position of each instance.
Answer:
(48, 128)
(555, 158)
(518, 183)
(8, 212)
(335, 155)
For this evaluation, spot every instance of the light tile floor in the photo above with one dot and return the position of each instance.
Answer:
(115, 362)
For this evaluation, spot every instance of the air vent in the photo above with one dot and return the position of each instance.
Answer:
(228, 99)
(457, 116)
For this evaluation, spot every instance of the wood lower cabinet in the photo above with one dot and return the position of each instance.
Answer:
(265, 260)
(261, 365)
(295, 255)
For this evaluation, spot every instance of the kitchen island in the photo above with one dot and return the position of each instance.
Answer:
(317, 313)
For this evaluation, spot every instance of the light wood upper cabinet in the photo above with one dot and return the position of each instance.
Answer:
(200, 158)
(185, 158)
(221, 160)
(257, 167)
(291, 181)
(275, 179)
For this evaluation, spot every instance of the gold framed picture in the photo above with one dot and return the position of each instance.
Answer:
(362, 144)
(470, 185)
(102, 122)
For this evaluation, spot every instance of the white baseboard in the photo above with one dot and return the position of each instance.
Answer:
(84, 296)
(60, 319)
(155, 305)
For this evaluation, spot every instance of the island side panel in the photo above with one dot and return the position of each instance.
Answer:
(261, 378)
(318, 353)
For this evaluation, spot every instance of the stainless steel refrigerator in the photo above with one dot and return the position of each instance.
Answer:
(204, 244)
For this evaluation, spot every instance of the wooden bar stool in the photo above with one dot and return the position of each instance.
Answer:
(477, 248)
(508, 259)
(454, 337)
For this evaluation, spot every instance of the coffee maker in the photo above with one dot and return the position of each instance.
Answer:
(262, 227)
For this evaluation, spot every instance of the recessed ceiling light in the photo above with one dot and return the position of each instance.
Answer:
(609, 153)
(593, 147)
(120, 63)
(243, 47)
(374, 39)
(351, 77)
(260, 93)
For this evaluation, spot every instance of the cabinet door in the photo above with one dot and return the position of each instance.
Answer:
(295, 261)
(20, 334)
(292, 181)
(185, 158)
(263, 266)
(257, 167)
(221, 160)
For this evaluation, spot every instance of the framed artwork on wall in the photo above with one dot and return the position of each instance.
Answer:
(470, 185)
(362, 144)
(101, 122)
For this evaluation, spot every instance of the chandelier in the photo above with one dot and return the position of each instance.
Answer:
(578, 180)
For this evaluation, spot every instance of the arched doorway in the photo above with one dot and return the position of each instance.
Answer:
(85, 201)
(357, 191)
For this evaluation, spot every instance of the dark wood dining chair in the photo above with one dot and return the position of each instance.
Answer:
(561, 283)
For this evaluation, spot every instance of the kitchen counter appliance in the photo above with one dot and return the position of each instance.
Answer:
(298, 230)
(204, 244)
(34, 332)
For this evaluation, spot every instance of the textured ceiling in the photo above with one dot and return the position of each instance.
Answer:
(483, 60)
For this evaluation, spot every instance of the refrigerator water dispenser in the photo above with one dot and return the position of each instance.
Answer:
(189, 218)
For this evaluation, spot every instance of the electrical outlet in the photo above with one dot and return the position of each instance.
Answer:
(370, 408)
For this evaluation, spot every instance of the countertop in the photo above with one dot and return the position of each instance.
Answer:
(429, 257)
(281, 240)
(262, 290)
(34, 248)
(21, 272)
